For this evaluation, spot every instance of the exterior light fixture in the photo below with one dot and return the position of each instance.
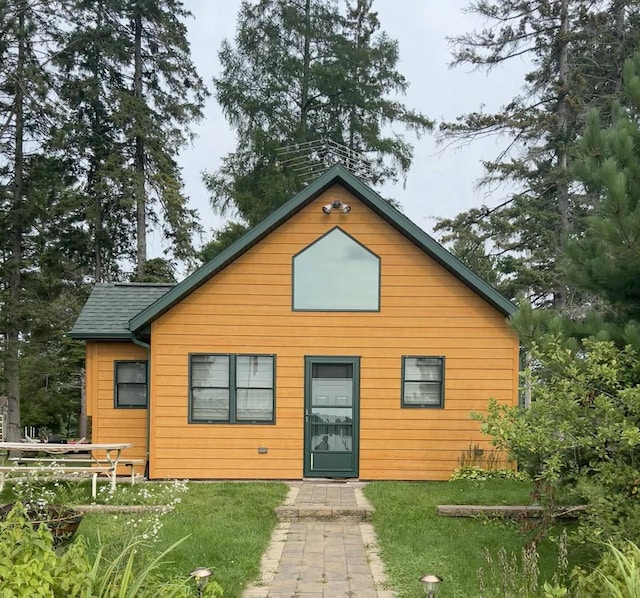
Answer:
(201, 576)
(336, 205)
(430, 584)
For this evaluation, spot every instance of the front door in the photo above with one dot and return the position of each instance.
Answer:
(332, 386)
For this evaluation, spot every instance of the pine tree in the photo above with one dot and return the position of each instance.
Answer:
(134, 93)
(575, 48)
(167, 96)
(297, 72)
(92, 68)
(606, 259)
(26, 111)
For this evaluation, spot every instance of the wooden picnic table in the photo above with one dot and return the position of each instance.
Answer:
(104, 458)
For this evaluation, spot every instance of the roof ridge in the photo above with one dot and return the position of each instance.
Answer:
(144, 284)
(335, 175)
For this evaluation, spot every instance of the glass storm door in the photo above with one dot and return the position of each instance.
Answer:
(332, 386)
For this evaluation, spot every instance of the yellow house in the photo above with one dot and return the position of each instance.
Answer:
(335, 339)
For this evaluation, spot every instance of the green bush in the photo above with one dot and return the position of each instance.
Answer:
(29, 565)
(616, 576)
(581, 435)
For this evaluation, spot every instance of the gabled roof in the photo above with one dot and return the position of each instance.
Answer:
(335, 175)
(110, 306)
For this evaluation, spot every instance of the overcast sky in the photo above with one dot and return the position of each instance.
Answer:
(440, 183)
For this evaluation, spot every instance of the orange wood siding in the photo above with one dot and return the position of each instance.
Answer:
(246, 308)
(110, 424)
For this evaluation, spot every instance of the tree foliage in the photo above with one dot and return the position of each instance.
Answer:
(301, 71)
(134, 94)
(575, 49)
(606, 258)
(581, 435)
(96, 100)
(603, 260)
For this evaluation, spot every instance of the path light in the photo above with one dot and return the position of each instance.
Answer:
(201, 576)
(430, 584)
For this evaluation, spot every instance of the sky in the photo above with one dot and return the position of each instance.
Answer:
(443, 180)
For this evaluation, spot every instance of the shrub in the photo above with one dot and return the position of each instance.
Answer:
(581, 433)
(29, 565)
(617, 574)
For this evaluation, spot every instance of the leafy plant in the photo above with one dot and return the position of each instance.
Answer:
(617, 575)
(120, 578)
(581, 434)
(29, 565)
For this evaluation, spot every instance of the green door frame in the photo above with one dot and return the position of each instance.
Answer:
(353, 469)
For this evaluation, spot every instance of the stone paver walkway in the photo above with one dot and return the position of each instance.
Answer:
(324, 548)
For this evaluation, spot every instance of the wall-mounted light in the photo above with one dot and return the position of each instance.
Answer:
(336, 205)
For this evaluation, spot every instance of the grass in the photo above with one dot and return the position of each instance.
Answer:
(415, 541)
(228, 526)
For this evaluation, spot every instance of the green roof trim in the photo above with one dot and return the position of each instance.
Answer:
(106, 314)
(335, 175)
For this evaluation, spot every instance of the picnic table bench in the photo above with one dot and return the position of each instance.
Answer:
(63, 459)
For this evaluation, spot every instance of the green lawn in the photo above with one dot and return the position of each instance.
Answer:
(229, 524)
(415, 541)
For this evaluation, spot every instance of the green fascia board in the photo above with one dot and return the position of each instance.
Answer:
(428, 244)
(335, 175)
(100, 336)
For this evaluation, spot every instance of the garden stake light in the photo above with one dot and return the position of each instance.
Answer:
(430, 584)
(201, 576)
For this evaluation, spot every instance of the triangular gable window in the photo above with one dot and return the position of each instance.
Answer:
(336, 273)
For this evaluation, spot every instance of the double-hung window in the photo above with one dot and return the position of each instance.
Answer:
(130, 388)
(231, 388)
(423, 381)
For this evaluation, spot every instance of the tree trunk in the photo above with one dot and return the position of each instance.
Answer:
(619, 7)
(139, 165)
(562, 182)
(306, 66)
(92, 176)
(12, 358)
(353, 115)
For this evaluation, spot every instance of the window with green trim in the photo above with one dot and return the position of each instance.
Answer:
(231, 388)
(336, 273)
(130, 388)
(423, 381)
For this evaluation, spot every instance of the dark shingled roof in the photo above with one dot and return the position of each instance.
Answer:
(110, 306)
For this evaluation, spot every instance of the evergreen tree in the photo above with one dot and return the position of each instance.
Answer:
(606, 259)
(303, 71)
(134, 93)
(575, 48)
(93, 71)
(27, 30)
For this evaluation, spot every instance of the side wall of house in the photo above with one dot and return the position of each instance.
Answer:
(109, 424)
(246, 308)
